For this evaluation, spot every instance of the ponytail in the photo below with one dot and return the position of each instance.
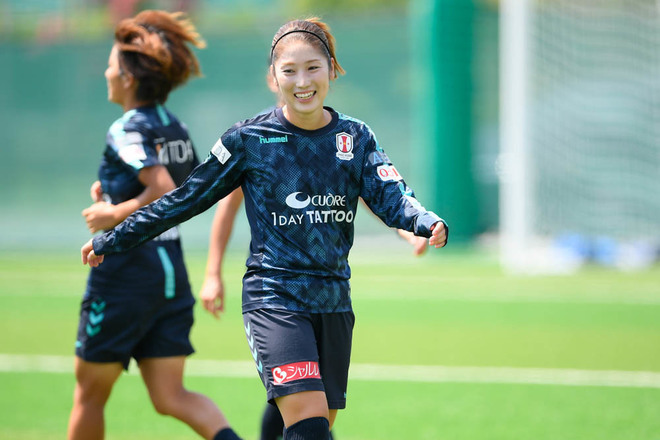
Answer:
(153, 47)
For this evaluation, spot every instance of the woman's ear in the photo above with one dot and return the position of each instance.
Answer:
(333, 75)
(127, 80)
(273, 85)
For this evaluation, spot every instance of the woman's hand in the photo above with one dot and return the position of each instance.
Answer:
(96, 192)
(213, 295)
(418, 243)
(88, 255)
(438, 235)
(100, 216)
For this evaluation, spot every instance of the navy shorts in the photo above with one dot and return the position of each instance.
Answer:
(115, 327)
(296, 352)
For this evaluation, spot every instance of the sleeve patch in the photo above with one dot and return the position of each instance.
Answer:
(378, 158)
(132, 153)
(220, 152)
(388, 172)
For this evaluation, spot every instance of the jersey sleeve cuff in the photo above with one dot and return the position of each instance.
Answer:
(424, 223)
(97, 244)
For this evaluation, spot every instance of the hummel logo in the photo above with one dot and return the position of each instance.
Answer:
(273, 140)
(253, 349)
(95, 318)
(92, 331)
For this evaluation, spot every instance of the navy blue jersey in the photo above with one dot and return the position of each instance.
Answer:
(144, 137)
(301, 192)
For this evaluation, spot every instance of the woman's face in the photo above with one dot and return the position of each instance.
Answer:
(116, 81)
(302, 75)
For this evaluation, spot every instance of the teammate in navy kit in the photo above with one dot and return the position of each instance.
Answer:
(302, 169)
(139, 303)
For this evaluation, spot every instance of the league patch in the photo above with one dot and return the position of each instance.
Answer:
(296, 371)
(377, 158)
(220, 152)
(344, 146)
(388, 172)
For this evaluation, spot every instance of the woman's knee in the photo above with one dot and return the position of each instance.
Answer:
(167, 402)
(94, 382)
(90, 396)
(163, 378)
(299, 406)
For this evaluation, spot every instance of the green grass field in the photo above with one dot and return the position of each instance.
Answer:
(449, 309)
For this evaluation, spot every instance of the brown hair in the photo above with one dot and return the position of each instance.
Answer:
(313, 31)
(152, 47)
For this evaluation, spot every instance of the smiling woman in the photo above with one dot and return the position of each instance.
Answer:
(302, 168)
(303, 62)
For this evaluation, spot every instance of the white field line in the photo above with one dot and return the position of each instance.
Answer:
(641, 299)
(517, 297)
(10, 363)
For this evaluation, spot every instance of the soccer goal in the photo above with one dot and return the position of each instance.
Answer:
(580, 133)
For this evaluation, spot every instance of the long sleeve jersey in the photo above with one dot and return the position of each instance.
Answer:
(301, 192)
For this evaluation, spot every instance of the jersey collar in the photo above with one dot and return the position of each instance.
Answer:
(318, 132)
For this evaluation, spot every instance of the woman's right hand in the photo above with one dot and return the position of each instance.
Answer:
(419, 244)
(88, 255)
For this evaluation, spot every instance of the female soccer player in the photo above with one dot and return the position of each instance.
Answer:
(302, 168)
(139, 303)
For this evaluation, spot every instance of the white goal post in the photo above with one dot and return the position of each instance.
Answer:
(580, 133)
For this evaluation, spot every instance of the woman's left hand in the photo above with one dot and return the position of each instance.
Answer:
(438, 235)
(100, 216)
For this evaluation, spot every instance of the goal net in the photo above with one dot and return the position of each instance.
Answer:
(580, 139)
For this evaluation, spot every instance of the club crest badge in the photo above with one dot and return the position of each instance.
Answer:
(344, 146)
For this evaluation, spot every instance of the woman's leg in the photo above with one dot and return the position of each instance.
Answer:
(333, 416)
(306, 415)
(287, 349)
(272, 425)
(164, 380)
(304, 405)
(94, 382)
